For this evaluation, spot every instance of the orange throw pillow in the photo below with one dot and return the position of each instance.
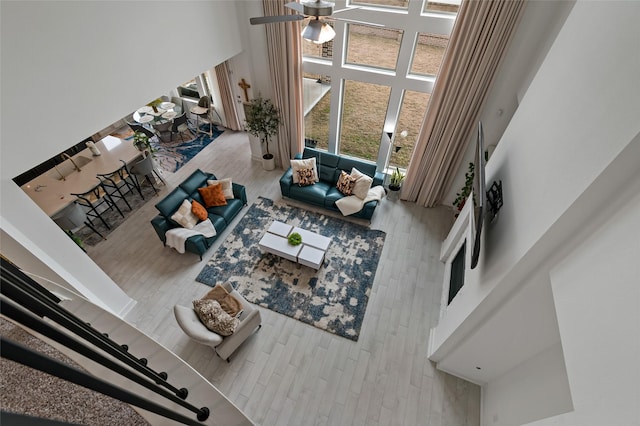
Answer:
(199, 210)
(212, 196)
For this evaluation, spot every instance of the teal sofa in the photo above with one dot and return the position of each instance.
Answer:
(221, 216)
(324, 193)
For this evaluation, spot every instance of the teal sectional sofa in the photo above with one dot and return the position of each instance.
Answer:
(324, 193)
(221, 216)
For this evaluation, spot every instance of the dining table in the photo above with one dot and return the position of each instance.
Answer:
(52, 190)
(160, 117)
(162, 113)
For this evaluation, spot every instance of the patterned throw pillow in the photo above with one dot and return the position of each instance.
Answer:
(212, 196)
(306, 177)
(227, 187)
(346, 183)
(198, 210)
(214, 317)
(184, 216)
(307, 163)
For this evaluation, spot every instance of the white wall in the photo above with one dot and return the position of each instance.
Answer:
(525, 324)
(70, 69)
(569, 148)
(536, 388)
(252, 65)
(597, 296)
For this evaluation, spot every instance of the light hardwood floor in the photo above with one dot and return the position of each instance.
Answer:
(290, 373)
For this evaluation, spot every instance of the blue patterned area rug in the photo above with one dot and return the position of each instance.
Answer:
(174, 154)
(333, 298)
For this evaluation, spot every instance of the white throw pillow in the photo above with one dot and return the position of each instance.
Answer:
(362, 185)
(184, 216)
(307, 163)
(227, 187)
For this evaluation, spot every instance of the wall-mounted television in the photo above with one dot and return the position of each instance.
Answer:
(480, 195)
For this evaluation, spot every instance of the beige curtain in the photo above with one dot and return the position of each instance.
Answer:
(285, 66)
(478, 42)
(231, 117)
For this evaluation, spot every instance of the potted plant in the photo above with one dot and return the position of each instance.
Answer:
(396, 180)
(461, 197)
(76, 239)
(141, 142)
(262, 122)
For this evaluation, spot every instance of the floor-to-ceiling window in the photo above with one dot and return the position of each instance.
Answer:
(367, 90)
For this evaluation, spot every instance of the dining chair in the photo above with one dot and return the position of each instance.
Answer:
(119, 183)
(139, 128)
(72, 218)
(163, 130)
(180, 126)
(144, 170)
(95, 201)
(205, 117)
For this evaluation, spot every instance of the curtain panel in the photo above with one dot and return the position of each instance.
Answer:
(285, 66)
(231, 117)
(478, 42)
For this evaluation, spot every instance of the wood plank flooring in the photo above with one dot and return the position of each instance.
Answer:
(290, 373)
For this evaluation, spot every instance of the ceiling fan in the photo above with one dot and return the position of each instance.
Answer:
(317, 31)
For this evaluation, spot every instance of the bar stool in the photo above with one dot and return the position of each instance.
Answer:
(145, 170)
(119, 182)
(72, 218)
(93, 200)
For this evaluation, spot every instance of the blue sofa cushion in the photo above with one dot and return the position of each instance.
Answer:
(229, 211)
(347, 164)
(331, 197)
(325, 162)
(218, 222)
(198, 179)
(313, 194)
(171, 203)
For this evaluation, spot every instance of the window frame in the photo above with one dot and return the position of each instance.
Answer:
(411, 22)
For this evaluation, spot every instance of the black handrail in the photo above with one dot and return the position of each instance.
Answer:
(41, 302)
(34, 323)
(26, 356)
(28, 295)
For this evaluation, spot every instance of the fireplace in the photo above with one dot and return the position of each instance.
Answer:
(456, 277)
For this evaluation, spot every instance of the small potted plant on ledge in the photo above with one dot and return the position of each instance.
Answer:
(396, 180)
(263, 122)
(461, 197)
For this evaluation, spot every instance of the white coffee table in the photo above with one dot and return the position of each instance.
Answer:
(310, 252)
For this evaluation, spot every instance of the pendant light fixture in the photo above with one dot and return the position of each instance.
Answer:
(318, 32)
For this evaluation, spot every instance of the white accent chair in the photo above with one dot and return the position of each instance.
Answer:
(250, 321)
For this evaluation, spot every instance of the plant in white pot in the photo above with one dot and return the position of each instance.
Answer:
(263, 121)
(396, 180)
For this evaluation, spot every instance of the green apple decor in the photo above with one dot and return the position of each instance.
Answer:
(295, 239)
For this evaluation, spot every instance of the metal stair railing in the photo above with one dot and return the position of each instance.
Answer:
(21, 294)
